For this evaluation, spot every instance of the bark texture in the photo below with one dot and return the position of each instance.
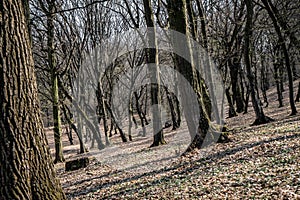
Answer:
(26, 169)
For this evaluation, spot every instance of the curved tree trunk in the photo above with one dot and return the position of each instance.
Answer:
(282, 42)
(27, 170)
(139, 111)
(259, 113)
(178, 22)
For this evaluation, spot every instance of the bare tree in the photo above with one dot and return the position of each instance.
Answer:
(260, 116)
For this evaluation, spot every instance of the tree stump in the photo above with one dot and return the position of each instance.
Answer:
(77, 164)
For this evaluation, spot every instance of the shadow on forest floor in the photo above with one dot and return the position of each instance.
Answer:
(192, 166)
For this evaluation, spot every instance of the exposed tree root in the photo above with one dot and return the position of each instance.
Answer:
(263, 120)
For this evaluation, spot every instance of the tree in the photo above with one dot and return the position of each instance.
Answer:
(54, 81)
(260, 116)
(27, 170)
(152, 58)
(178, 22)
(282, 41)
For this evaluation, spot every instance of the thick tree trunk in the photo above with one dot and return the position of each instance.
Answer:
(27, 170)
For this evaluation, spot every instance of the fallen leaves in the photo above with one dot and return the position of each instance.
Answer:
(260, 163)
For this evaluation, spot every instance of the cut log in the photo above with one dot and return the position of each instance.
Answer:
(77, 164)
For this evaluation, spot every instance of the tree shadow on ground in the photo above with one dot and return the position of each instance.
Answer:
(192, 166)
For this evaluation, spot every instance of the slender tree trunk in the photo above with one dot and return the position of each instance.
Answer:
(282, 42)
(260, 116)
(210, 97)
(130, 118)
(277, 76)
(178, 22)
(172, 109)
(152, 59)
(231, 112)
(139, 111)
(27, 170)
(69, 119)
(113, 117)
(237, 97)
(298, 94)
(54, 82)
(102, 111)
(247, 99)
(264, 83)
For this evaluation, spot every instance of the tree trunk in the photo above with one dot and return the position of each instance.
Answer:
(234, 66)
(231, 112)
(178, 22)
(102, 114)
(260, 116)
(298, 94)
(139, 111)
(209, 96)
(277, 75)
(54, 82)
(282, 42)
(152, 59)
(69, 119)
(264, 81)
(172, 109)
(116, 124)
(27, 170)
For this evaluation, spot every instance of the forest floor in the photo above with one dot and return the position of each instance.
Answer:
(261, 162)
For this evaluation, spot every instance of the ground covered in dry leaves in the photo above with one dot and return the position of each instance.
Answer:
(261, 162)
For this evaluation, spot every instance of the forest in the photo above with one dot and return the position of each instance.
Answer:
(142, 99)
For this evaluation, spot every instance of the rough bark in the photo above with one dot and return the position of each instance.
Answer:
(26, 169)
